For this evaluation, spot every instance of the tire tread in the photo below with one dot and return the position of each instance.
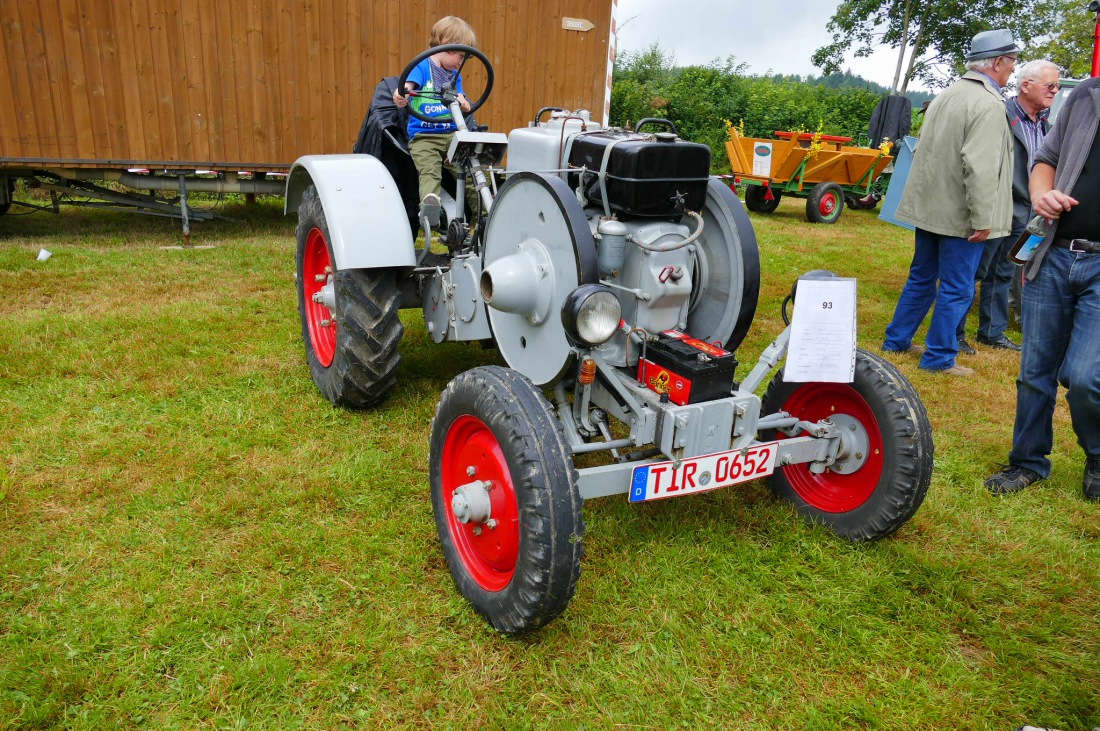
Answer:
(363, 372)
(545, 480)
(907, 440)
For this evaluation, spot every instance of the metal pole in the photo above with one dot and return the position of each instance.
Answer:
(1096, 41)
(183, 211)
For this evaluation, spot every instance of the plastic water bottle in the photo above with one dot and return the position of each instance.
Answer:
(1037, 230)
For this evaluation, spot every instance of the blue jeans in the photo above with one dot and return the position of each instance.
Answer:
(1061, 313)
(995, 272)
(952, 262)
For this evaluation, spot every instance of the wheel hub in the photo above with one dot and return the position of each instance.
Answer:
(849, 482)
(854, 444)
(326, 295)
(470, 503)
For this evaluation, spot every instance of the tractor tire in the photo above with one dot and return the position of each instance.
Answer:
(825, 203)
(352, 347)
(878, 495)
(520, 572)
(756, 199)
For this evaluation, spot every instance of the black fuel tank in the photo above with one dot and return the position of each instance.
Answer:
(647, 175)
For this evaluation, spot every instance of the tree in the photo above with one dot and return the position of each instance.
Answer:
(1070, 44)
(935, 34)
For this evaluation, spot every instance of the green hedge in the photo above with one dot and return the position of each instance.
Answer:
(700, 99)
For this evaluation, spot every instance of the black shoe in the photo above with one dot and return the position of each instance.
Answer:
(1092, 480)
(1014, 479)
(1001, 342)
(964, 347)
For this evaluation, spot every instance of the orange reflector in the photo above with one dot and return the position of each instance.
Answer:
(588, 372)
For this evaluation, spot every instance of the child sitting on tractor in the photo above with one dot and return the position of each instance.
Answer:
(429, 141)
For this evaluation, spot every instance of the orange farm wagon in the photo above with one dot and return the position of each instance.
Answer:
(823, 169)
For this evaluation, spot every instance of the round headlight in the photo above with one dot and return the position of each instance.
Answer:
(591, 314)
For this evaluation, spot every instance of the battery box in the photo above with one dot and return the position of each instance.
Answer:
(687, 369)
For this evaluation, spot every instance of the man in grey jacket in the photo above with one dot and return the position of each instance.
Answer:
(1037, 82)
(1061, 301)
(959, 193)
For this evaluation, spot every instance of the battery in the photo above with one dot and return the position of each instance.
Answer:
(687, 369)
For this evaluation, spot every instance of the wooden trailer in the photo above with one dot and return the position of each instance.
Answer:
(91, 90)
(824, 169)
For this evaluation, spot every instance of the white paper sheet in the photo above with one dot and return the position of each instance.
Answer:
(823, 332)
(762, 159)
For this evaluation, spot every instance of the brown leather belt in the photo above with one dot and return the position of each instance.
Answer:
(1078, 246)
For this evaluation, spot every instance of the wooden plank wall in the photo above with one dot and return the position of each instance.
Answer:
(254, 84)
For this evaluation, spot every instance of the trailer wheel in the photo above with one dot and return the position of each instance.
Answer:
(825, 204)
(756, 199)
(505, 498)
(884, 471)
(349, 318)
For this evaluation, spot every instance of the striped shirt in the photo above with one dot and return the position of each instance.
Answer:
(1032, 128)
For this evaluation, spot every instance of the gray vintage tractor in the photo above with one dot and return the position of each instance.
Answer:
(616, 278)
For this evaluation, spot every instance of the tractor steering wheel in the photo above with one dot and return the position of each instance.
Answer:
(468, 51)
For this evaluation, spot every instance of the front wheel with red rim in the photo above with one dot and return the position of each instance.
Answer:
(825, 203)
(505, 499)
(884, 466)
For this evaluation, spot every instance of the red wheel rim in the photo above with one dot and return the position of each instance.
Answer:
(490, 558)
(316, 272)
(831, 492)
(828, 204)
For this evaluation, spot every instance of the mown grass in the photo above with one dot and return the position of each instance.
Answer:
(193, 538)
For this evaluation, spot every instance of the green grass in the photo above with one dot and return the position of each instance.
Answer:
(191, 537)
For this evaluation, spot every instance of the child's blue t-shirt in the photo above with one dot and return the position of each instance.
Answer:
(429, 77)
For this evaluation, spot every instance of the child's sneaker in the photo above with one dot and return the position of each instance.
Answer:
(430, 208)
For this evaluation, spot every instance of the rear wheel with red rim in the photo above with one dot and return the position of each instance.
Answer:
(825, 203)
(319, 320)
(350, 323)
(505, 499)
(885, 465)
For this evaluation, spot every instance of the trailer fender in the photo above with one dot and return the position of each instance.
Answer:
(368, 228)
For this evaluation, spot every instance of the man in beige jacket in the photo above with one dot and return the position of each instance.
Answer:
(959, 193)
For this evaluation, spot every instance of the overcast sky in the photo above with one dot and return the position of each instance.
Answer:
(765, 34)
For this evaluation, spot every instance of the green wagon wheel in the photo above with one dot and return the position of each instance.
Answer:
(825, 203)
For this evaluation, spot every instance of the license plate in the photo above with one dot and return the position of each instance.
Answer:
(700, 474)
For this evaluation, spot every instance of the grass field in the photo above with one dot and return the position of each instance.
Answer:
(191, 537)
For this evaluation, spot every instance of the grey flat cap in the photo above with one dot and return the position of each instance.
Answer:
(992, 43)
